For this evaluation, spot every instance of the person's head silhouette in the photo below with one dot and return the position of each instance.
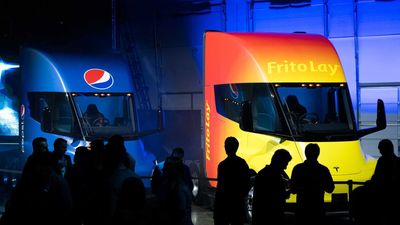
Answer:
(281, 159)
(385, 147)
(231, 145)
(60, 146)
(92, 110)
(40, 145)
(312, 152)
(117, 139)
(178, 153)
(94, 117)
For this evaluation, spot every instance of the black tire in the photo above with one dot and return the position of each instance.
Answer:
(249, 206)
(249, 200)
(196, 179)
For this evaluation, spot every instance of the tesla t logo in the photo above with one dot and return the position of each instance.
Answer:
(336, 168)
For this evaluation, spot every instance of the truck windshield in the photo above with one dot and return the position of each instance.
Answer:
(317, 112)
(102, 115)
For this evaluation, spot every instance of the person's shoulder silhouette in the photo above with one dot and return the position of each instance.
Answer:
(386, 173)
(385, 183)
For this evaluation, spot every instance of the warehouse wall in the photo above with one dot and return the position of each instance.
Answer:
(365, 33)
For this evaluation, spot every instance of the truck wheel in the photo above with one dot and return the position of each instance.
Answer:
(250, 204)
(194, 172)
(250, 195)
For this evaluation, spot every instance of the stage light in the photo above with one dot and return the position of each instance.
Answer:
(5, 66)
(281, 4)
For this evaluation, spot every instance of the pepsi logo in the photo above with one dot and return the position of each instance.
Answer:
(234, 91)
(98, 79)
(22, 110)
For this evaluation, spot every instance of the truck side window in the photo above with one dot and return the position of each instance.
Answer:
(102, 116)
(264, 114)
(229, 99)
(59, 112)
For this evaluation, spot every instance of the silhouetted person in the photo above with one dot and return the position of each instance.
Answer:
(386, 173)
(386, 182)
(78, 178)
(172, 185)
(117, 171)
(232, 187)
(156, 180)
(40, 149)
(130, 205)
(271, 189)
(295, 107)
(97, 153)
(176, 157)
(41, 196)
(93, 116)
(175, 195)
(61, 161)
(179, 154)
(97, 194)
(310, 180)
(118, 140)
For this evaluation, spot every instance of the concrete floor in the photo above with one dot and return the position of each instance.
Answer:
(203, 216)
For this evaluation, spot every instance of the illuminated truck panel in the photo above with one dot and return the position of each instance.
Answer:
(267, 71)
(62, 91)
(273, 58)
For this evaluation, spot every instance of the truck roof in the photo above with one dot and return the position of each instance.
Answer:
(45, 71)
(270, 57)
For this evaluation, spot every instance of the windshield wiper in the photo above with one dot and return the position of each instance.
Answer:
(88, 129)
(341, 135)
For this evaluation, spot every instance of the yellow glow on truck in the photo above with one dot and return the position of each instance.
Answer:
(265, 71)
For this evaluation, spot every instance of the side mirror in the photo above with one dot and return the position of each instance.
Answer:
(380, 120)
(160, 119)
(157, 124)
(246, 117)
(46, 123)
(380, 115)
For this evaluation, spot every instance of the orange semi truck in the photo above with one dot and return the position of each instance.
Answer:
(274, 91)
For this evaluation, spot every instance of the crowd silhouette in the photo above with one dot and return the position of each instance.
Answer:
(100, 187)
(376, 201)
(372, 203)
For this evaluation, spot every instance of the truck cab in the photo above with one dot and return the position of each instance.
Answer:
(80, 97)
(273, 91)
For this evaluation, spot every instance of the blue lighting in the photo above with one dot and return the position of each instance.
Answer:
(8, 113)
(5, 66)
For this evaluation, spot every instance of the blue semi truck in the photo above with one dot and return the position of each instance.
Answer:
(81, 97)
